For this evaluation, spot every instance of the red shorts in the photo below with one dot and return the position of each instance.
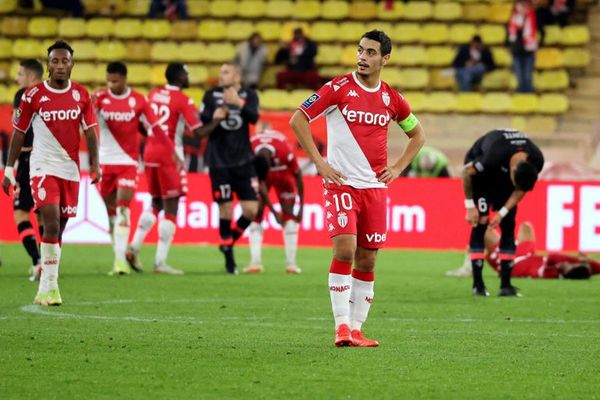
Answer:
(164, 181)
(360, 212)
(284, 184)
(116, 177)
(51, 190)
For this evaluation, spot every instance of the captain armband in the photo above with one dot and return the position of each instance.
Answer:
(409, 123)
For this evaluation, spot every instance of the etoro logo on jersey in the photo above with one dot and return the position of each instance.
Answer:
(365, 117)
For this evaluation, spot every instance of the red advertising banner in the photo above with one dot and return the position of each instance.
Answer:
(422, 214)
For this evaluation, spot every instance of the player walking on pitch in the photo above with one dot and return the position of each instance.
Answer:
(358, 108)
(56, 109)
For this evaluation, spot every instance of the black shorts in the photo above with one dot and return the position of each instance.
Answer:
(490, 193)
(240, 180)
(23, 199)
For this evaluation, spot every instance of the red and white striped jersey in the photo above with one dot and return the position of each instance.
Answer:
(282, 155)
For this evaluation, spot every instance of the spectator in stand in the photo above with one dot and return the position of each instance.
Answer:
(523, 42)
(75, 7)
(299, 58)
(251, 56)
(428, 163)
(471, 62)
(551, 12)
(170, 9)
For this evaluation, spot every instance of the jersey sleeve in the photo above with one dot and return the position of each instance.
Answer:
(18, 97)
(189, 114)
(89, 117)
(319, 102)
(249, 110)
(154, 128)
(148, 113)
(207, 108)
(24, 114)
(404, 117)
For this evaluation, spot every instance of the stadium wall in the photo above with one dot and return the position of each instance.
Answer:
(423, 214)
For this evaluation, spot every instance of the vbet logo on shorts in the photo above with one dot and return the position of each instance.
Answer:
(375, 237)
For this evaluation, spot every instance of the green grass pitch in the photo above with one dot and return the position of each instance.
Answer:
(206, 335)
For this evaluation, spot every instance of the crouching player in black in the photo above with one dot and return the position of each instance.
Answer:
(499, 169)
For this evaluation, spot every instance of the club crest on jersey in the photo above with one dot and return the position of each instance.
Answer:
(386, 98)
(76, 95)
(131, 102)
(41, 193)
(310, 101)
(17, 115)
(342, 219)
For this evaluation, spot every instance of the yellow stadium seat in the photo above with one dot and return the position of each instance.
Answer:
(447, 11)
(329, 54)
(363, 10)
(523, 103)
(434, 33)
(499, 12)
(279, 9)
(492, 34)
(324, 31)
(269, 76)
(110, 51)
(184, 30)
(212, 29)
(7, 6)
(157, 74)
(114, 8)
(91, 6)
(287, 29)
(461, 33)
(333, 71)
(100, 27)
(410, 55)
(553, 35)
(468, 102)
(128, 28)
(351, 31)
(349, 55)
(575, 35)
(252, 8)
(156, 29)
(553, 104)
(84, 49)
(192, 51)
(14, 26)
(496, 103)
(502, 56)
(269, 30)
(393, 76)
(418, 10)
(548, 57)
(390, 11)
(5, 70)
(165, 52)
(223, 8)
(441, 102)
(576, 57)
(239, 30)
(138, 8)
(441, 78)
(28, 48)
(143, 90)
(552, 80)
(84, 72)
(333, 9)
(297, 97)
(387, 27)
(220, 52)
(196, 94)
(439, 56)
(307, 9)
(475, 12)
(42, 27)
(14, 70)
(198, 74)
(5, 49)
(139, 74)
(496, 79)
(406, 33)
(138, 50)
(273, 99)
(417, 100)
(198, 8)
(540, 124)
(71, 27)
(414, 78)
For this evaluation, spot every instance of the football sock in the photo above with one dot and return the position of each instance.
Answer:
(121, 232)
(225, 231)
(477, 266)
(166, 231)
(255, 240)
(361, 297)
(147, 220)
(240, 226)
(50, 255)
(27, 235)
(290, 240)
(505, 272)
(340, 282)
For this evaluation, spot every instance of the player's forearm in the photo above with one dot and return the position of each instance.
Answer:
(92, 145)
(249, 114)
(467, 180)
(415, 142)
(207, 129)
(514, 199)
(301, 129)
(16, 143)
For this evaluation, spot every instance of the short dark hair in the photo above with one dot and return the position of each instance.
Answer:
(578, 272)
(476, 39)
(525, 176)
(174, 71)
(33, 65)
(261, 165)
(116, 67)
(384, 40)
(60, 44)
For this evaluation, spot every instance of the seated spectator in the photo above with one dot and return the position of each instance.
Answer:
(170, 9)
(471, 62)
(523, 42)
(251, 56)
(299, 58)
(428, 163)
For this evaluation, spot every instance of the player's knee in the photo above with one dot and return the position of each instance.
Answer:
(20, 216)
(51, 229)
(343, 254)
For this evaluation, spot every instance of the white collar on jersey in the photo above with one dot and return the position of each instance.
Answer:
(372, 90)
(172, 87)
(65, 90)
(120, 96)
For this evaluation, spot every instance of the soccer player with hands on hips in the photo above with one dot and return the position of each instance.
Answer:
(56, 109)
(358, 108)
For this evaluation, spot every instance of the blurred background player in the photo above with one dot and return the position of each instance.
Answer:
(277, 168)
(358, 108)
(120, 110)
(227, 112)
(428, 163)
(164, 170)
(56, 109)
(500, 168)
(30, 74)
